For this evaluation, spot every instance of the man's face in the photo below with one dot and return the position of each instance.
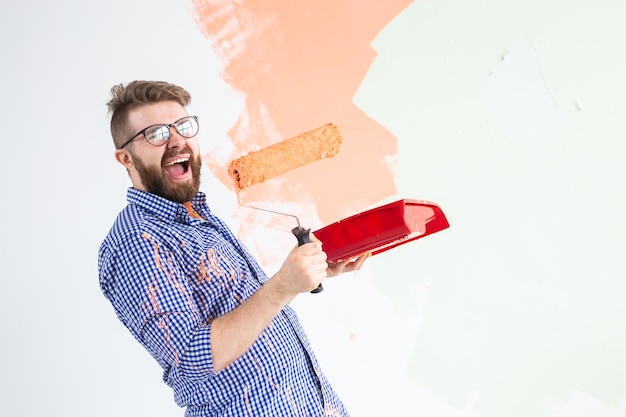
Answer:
(172, 170)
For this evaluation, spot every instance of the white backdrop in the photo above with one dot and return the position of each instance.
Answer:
(508, 114)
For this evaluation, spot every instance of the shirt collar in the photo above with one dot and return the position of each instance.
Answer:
(166, 209)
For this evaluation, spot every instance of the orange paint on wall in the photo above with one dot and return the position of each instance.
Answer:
(299, 64)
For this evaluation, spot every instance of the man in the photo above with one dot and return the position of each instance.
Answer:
(189, 292)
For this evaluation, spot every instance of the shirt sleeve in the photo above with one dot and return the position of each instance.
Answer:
(152, 297)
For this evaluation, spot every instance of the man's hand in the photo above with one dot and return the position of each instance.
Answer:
(303, 270)
(306, 267)
(348, 265)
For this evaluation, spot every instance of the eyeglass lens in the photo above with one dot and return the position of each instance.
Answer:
(187, 127)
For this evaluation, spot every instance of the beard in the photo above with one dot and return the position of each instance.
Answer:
(154, 179)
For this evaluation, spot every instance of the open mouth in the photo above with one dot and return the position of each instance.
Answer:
(178, 167)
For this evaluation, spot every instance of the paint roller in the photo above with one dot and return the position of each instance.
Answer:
(259, 166)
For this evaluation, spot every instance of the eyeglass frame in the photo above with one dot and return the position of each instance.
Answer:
(169, 128)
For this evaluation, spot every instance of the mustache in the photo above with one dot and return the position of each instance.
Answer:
(171, 153)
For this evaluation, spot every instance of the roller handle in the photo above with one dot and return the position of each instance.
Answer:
(302, 235)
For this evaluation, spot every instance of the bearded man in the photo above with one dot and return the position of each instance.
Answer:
(185, 287)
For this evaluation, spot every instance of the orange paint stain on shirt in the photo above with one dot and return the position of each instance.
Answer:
(330, 410)
(153, 289)
(155, 246)
(167, 265)
(262, 370)
(247, 400)
(211, 263)
(163, 324)
(268, 342)
(299, 65)
(152, 308)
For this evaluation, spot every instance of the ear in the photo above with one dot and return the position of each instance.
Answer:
(123, 157)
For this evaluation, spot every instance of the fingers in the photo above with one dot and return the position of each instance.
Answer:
(348, 265)
(314, 238)
(311, 253)
(360, 260)
(310, 248)
(304, 269)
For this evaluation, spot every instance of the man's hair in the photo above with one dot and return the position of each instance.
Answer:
(125, 98)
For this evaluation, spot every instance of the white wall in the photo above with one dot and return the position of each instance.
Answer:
(508, 114)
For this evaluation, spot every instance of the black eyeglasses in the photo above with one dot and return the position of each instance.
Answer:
(158, 135)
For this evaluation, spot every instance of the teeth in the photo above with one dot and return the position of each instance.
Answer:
(178, 161)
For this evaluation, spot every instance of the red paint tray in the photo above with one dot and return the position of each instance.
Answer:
(381, 228)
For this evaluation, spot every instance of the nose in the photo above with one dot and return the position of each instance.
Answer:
(176, 140)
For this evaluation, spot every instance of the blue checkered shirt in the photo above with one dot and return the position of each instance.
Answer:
(168, 275)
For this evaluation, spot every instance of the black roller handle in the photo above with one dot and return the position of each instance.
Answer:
(302, 235)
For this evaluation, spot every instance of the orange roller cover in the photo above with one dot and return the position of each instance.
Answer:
(307, 147)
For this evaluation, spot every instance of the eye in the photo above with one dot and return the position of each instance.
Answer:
(157, 134)
(186, 127)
